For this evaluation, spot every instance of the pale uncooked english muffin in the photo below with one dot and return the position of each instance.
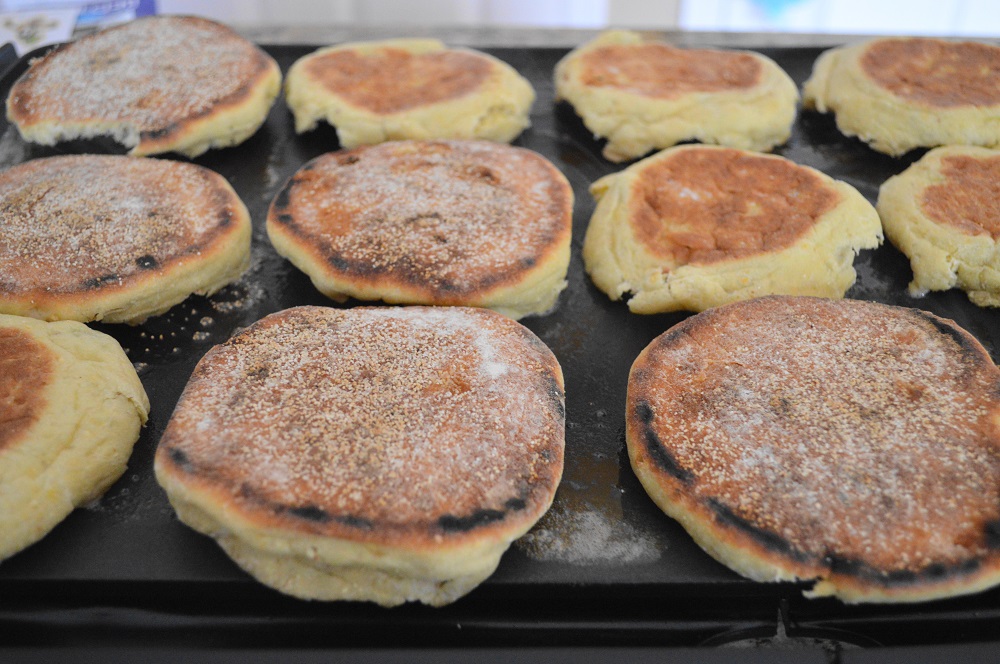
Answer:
(644, 95)
(693, 227)
(408, 89)
(158, 84)
(471, 223)
(71, 408)
(851, 445)
(897, 94)
(943, 212)
(382, 454)
(115, 239)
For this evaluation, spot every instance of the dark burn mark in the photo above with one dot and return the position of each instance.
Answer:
(319, 515)
(310, 513)
(905, 576)
(355, 522)
(991, 534)
(935, 572)
(147, 262)
(948, 329)
(452, 523)
(515, 504)
(225, 217)
(98, 282)
(527, 262)
(556, 396)
(670, 337)
(285, 219)
(657, 452)
(180, 459)
(338, 262)
(283, 200)
(769, 540)
(154, 134)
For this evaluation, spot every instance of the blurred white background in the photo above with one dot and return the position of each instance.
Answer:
(930, 17)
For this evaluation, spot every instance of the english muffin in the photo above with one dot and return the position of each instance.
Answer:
(408, 89)
(379, 454)
(158, 84)
(693, 227)
(644, 95)
(470, 223)
(71, 407)
(897, 94)
(943, 212)
(112, 238)
(844, 443)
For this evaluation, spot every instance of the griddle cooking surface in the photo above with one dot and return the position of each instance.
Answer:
(603, 544)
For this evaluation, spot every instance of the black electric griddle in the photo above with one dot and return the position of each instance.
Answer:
(604, 570)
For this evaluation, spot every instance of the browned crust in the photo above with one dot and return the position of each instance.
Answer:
(446, 222)
(394, 80)
(968, 197)
(724, 204)
(664, 72)
(935, 72)
(828, 498)
(27, 107)
(346, 485)
(26, 368)
(66, 239)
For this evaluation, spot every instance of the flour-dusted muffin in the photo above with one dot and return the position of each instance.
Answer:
(897, 94)
(158, 84)
(71, 407)
(113, 238)
(471, 223)
(408, 89)
(943, 212)
(847, 443)
(693, 227)
(645, 95)
(384, 454)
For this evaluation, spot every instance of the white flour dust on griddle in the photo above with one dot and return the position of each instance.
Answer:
(587, 537)
(13, 149)
(247, 291)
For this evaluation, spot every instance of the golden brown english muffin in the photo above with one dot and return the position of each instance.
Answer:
(408, 89)
(897, 94)
(158, 84)
(846, 443)
(693, 227)
(471, 223)
(943, 212)
(71, 407)
(643, 95)
(380, 454)
(112, 238)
